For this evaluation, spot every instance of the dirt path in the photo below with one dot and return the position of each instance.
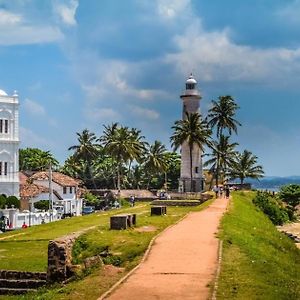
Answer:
(182, 261)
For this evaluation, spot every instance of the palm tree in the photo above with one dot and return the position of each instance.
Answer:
(123, 145)
(155, 160)
(86, 151)
(193, 131)
(245, 166)
(221, 116)
(222, 156)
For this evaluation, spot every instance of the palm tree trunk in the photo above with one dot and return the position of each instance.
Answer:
(118, 179)
(166, 181)
(191, 167)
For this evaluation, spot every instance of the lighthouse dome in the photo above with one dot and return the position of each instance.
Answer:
(191, 80)
(2, 93)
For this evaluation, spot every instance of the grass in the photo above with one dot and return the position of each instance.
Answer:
(258, 261)
(26, 249)
(126, 247)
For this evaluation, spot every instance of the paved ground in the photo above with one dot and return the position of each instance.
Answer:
(182, 261)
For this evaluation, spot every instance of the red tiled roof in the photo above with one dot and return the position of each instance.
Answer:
(59, 178)
(23, 178)
(29, 190)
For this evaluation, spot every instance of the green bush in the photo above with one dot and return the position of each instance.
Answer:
(42, 205)
(9, 201)
(272, 208)
(2, 201)
(290, 194)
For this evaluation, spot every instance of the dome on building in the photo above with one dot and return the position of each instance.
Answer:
(2, 93)
(191, 79)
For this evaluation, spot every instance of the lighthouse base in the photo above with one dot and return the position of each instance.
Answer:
(186, 185)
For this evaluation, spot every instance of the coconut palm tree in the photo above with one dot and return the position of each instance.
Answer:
(155, 160)
(85, 152)
(222, 156)
(245, 166)
(221, 116)
(123, 145)
(193, 131)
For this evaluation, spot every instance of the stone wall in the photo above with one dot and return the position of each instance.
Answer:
(60, 258)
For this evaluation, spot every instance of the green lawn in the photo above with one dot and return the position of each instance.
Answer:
(26, 249)
(126, 246)
(258, 261)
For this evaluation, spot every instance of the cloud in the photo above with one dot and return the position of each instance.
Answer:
(16, 30)
(67, 12)
(217, 58)
(102, 115)
(170, 9)
(34, 108)
(141, 112)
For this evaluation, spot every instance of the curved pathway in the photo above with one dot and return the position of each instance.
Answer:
(182, 261)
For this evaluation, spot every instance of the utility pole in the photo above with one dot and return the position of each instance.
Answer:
(50, 193)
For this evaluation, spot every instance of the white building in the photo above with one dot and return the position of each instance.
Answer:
(191, 103)
(9, 144)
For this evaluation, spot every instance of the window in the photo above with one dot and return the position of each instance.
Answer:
(5, 168)
(196, 170)
(0, 167)
(1, 126)
(64, 189)
(71, 190)
(6, 126)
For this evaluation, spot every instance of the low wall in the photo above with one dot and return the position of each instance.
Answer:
(9, 274)
(60, 258)
(176, 202)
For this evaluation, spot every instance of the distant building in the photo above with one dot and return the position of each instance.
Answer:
(191, 103)
(66, 191)
(9, 144)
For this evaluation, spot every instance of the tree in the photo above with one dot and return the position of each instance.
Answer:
(193, 131)
(221, 116)
(222, 156)
(155, 160)
(34, 159)
(290, 194)
(85, 152)
(245, 166)
(123, 145)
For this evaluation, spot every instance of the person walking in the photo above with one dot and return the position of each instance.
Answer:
(227, 192)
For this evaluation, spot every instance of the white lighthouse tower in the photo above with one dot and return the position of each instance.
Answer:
(191, 103)
(9, 144)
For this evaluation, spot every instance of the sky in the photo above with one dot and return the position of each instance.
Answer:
(80, 64)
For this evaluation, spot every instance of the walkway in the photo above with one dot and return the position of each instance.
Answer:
(182, 261)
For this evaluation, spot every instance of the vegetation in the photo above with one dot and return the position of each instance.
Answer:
(290, 194)
(34, 159)
(245, 165)
(192, 131)
(273, 208)
(221, 117)
(258, 261)
(42, 205)
(125, 248)
(10, 201)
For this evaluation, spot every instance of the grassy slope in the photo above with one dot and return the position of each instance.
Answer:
(26, 249)
(258, 261)
(129, 245)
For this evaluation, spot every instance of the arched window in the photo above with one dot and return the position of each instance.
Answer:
(190, 86)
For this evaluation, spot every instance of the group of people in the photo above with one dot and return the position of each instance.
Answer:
(222, 191)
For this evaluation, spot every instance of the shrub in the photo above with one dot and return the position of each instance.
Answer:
(2, 201)
(290, 194)
(272, 208)
(42, 205)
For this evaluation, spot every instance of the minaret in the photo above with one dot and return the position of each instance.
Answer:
(191, 102)
(9, 144)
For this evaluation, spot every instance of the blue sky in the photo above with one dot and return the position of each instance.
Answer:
(81, 64)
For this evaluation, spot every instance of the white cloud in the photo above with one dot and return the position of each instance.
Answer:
(67, 12)
(102, 115)
(217, 58)
(15, 30)
(34, 108)
(169, 9)
(141, 112)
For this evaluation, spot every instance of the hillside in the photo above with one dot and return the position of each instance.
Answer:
(258, 261)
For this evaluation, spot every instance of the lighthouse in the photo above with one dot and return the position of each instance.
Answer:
(190, 104)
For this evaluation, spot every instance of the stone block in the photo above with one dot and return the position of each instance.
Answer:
(158, 210)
